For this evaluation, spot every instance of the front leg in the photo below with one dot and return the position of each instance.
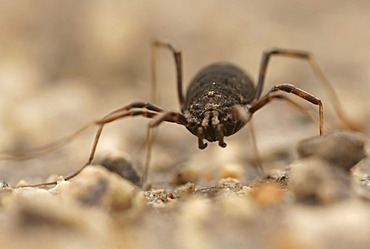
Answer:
(272, 94)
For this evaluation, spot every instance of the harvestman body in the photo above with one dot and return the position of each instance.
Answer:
(219, 101)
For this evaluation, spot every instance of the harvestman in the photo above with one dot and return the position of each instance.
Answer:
(219, 101)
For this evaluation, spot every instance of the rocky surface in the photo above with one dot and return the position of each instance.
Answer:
(320, 205)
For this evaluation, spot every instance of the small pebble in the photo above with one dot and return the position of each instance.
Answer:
(232, 170)
(122, 167)
(267, 193)
(341, 149)
(21, 183)
(157, 198)
(315, 181)
(97, 187)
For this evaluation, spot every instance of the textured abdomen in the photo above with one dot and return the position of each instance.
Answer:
(222, 78)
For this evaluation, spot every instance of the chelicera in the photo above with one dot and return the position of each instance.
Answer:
(219, 101)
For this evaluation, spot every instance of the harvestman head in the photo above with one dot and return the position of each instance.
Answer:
(219, 101)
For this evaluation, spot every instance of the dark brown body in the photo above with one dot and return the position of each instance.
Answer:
(215, 91)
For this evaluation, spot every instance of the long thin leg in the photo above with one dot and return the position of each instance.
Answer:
(173, 117)
(137, 104)
(316, 70)
(253, 142)
(107, 119)
(178, 61)
(290, 89)
(299, 107)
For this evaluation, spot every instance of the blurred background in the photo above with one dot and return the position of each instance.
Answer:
(66, 63)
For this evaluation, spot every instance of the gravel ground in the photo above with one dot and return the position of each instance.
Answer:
(66, 64)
